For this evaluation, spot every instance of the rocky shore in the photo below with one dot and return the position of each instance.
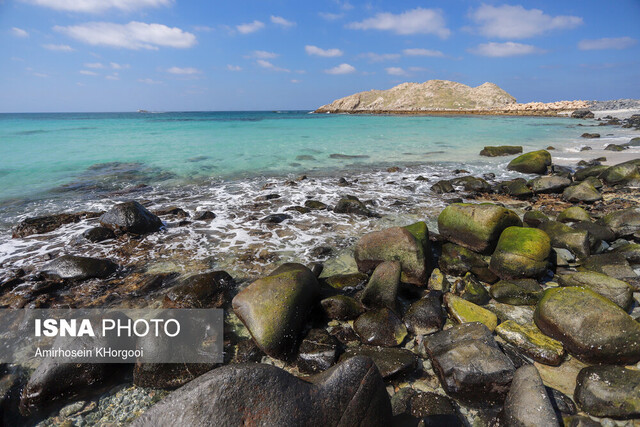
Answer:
(515, 303)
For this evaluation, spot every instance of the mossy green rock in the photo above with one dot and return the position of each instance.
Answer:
(593, 171)
(549, 184)
(583, 192)
(393, 244)
(616, 290)
(630, 251)
(613, 265)
(473, 291)
(382, 289)
(521, 253)
(609, 391)
(380, 327)
(438, 281)
(420, 231)
(563, 236)
(475, 226)
(517, 292)
(275, 308)
(573, 214)
(590, 326)
(458, 261)
(346, 281)
(533, 162)
(463, 311)
(532, 342)
(623, 223)
(515, 188)
(501, 150)
(341, 307)
(534, 218)
(622, 173)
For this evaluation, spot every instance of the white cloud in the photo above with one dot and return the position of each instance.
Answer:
(607, 43)
(395, 71)
(234, 67)
(149, 81)
(516, 22)
(344, 4)
(41, 75)
(134, 35)
(423, 52)
(295, 81)
(501, 50)
(327, 53)
(279, 20)
(96, 6)
(19, 32)
(113, 76)
(379, 57)
(96, 65)
(117, 66)
(330, 16)
(250, 27)
(416, 21)
(188, 71)
(262, 54)
(58, 47)
(88, 73)
(341, 69)
(268, 65)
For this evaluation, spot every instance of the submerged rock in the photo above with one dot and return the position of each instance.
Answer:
(527, 403)
(609, 391)
(98, 234)
(501, 150)
(130, 217)
(275, 218)
(535, 162)
(380, 327)
(70, 267)
(274, 309)
(266, 395)
(48, 223)
(352, 205)
(521, 253)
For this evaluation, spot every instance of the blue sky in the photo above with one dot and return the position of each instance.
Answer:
(177, 55)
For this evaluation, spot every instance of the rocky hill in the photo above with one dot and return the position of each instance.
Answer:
(433, 95)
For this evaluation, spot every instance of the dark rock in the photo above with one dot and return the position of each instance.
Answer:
(458, 261)
(515, 188)
(597, 231)
(351, 205)
(380, 327)
(590, 135)
(413, 408)
(585, 173)
(168, 375)
(623, 223)
(630, 251)
(275, 218)
(609, 391)
(315, 205)
(471, 183)
(613, 265)
(615, 147)
(318, 351)
(583, 192)
(341, 307)
(472, 290)
(531, 342)
(615, 290)
(204, 216)
(549, 184)
(582, 113)
(521, 253)
(469, 363)
(98, 234)
(130, 217)
(347, 281)
(573, 214)
(517, 292)
(501, 150)
(173, 210)
(247, 352)
(425, 316)
(534, 218)
(561, 403)
(535, 162)
(382, 289)
(442, 187)
(72, 267)
(48, 223)
(527, 403)
(299, 209)
(563, 236)
(390, 361)
(265, 395)
(205, 290)
(586, 148)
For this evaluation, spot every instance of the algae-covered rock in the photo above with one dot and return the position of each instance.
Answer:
(443, 186)
(521, 253)
(532, 342)
(533, 162)
(382, 289)
(352, 205)
(458, 261)
(420, 231)
(623, 223)
(573, 214)
(591, 171)
(393, 244)
(609, 391)
(501, 150)
(583, 192)
(341, 307)
(475, 226)
(616, 290)
(622, 173)
(274, 309)
(534, 218)
(528, 403)
(515, 188)
(591, 327)
(630, 251)
(438, 282)
(563, 236)
(472, 290)
(463, 311)
(549, 184)
(347, 281)
(471, 183)
(517, 292)
(380, 327)
(613, 265)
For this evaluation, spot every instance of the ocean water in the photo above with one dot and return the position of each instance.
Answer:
(228, 162)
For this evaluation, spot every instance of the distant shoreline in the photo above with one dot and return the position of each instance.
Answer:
(540, 113)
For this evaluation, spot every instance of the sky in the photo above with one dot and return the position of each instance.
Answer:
(204, 55)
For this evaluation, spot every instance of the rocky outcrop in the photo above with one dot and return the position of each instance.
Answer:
(432, 95)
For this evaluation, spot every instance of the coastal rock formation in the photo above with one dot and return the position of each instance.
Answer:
(130, 217)
(428, 96)
(71, 267)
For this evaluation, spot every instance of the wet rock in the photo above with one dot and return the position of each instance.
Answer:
(527, 403)
(517, 292)
(70, 267)
(534, 218)
(573, 214)
(130, 217)
(563, 236)
(48, 223)
(590, 135)
(168, 375)
(613, 265)
(341, 307)
(425, 316)
(515, 188)
(318, 351)
(469, 363)
(98, 234)
(380, 327)
(463, 311)
(549, 184)
(582, 113)
(535, 162)
(438, 282)
(420, 231)
(609, 391)
(442, 187)
(521, 253)
(266, 395)
(501, 150)
(414, 408)
(616, 290)
(471, 183)
(561, 403)
(174, 211)
(591, 327)
(623, 223)
(351, 205)
(393, 244)
(274, 309)
(315, 205)
(347, 281)
(204, 216)
(205, 290)
(458, 261)
(475, 226)
(389, 360)
(247, 352)
(532, 342)
(472, 290)
(275, 218)
(615, 147)
(382, 289)
(583, 192)
(622, 173)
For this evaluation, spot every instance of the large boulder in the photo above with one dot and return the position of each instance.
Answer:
(527, 403)
(616, 290)
(475, 226)
(70, 267)
(274, 309)
(563, 236)
(623, 223)
(591, 327)
(583, 192)
(609, 391)
(521, 253)
(469, 363)
(393, 244)
(350, 393)
(549, 184)
(501, 150)
(533, 162)
(382, 289)
(130, 217)
(622, 173)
